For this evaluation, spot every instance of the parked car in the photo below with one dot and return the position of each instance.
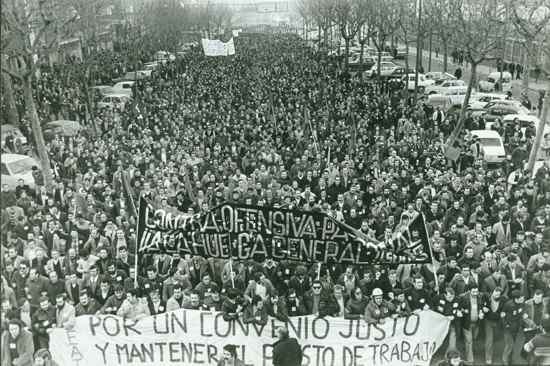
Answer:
(493, 78)
(422, 84)
(124, 87)
(439, 89)
(401, 53)
(439, 76)
(63, 128)
(133, 76)
(491, 145)
(386, 68)
(151, 66)
(15, 167)
(496, 109)
(399, 72)
(355, 64)
(444, 102)
(164, 57)
(111, 101)
(479, 101)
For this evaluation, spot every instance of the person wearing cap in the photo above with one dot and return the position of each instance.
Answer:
(17, 345)
(512, 318)
(114, 302)
(377, 309)
(537, 343)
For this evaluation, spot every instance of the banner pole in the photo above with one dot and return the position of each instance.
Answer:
(431, 254)
(136, 255)
(231, 265)
(319, 271)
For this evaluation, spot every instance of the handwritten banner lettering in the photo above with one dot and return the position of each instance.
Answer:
(191, 337)
(251, 232)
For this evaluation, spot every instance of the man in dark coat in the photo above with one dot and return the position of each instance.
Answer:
(286, 351)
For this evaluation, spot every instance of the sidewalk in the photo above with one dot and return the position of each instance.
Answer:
(482, 71)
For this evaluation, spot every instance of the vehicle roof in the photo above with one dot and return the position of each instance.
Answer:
(521, 117)
(125, 82)
(62, 122)
(496, 74)
(9, 127)
(117, 95)
(492, 95)
(10, 158)
(485, 133)
(441, 73)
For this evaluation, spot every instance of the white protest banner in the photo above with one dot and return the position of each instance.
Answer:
(191, 337)
(230, 47)
(213, 47)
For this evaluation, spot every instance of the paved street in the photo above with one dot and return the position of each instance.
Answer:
(482, 72)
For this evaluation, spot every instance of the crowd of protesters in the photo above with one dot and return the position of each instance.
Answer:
(277, 124)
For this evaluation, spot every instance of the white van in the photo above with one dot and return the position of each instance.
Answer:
(494, 77)
(491, 145)
(123, 87)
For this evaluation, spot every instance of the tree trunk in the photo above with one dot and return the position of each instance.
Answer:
(12, 117)
(430, 57)
(346, 55)
(525, 76)
(445, 56)
(407, 70)
(361, 58)
(540, 132)
(30, 106)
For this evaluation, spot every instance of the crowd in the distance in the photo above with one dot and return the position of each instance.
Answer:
(277, 124)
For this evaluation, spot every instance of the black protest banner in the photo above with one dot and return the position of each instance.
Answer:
(252, 232)
(411, 239)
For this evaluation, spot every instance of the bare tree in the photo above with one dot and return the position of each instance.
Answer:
(545, 107)
(479, 26)
(440, 15)
(87, 23)
(28, 29)
(304, 9)
(349, 17)
(530, 19)
(385, 16)
(367, 30)
(406, 24)
(8, 99)
(322, 12)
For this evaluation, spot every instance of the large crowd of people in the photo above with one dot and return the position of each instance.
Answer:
(277, 124)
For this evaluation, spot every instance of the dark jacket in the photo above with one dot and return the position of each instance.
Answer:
(287, 352)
